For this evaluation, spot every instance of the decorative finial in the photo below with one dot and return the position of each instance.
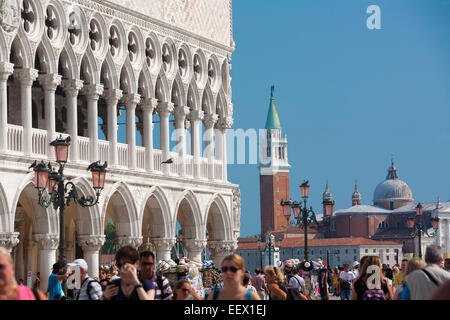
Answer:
(438, 202)
(272, 89)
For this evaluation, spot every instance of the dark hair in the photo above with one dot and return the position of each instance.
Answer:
(258, 271)
(178, 286)
(246, 279)
(295, 271)
(127, 252)
(146, 254)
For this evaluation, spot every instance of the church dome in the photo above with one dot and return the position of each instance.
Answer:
(392, 189)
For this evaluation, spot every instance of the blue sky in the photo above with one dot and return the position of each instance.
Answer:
(348, 97)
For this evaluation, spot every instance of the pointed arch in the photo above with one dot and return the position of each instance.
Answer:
(4, 213)
(193, 99)
(178, 96)
(23, 56)
(193, 227)
(221, 104)
(120, 197)
(145, 86)
(162, 88)
(67, 65)
(47, 61)
(108, 74)
(217, 219)
(89, 220)
(89, 71)
(128, 82)
(208, 105)
(160, 220)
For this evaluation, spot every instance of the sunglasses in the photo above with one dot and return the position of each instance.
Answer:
(147, 264)
(232, 269)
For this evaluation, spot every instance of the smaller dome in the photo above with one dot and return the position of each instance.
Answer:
(356, 195)
(392, 189)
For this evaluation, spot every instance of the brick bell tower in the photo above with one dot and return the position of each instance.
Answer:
(273, 172)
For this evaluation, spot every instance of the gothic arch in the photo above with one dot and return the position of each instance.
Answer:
(145, 82)
(89, 219)
(193, 97)
(221, 105)
(89, 72)
(108, 74)
(48, 63)
(162, 88)
(128, 82)
(120, 197)
(4, 213)
(67, 65)
(178, 96)
(22, 51)
(217, 219)
(159, 220)
(208, 105)
(188, 213)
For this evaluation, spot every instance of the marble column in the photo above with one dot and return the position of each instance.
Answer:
(164, 110)
(195, 248)
(93, 93)
(163, 247)
(9, 240)
(210, 121)
(47, 244)
(6, 69)
(49, 83)
(112, 98)
(221, 139)
(26, 78)
(220, 249)
(91, 246)
(148, 108)
(195, 117)
(123, 241)
(131, 100)
(180, 132)
(72, 88)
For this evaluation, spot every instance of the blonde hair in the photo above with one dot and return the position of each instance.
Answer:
(235, 259)
(6, 253)
(369, 261)
(275, 277)
(414, 264)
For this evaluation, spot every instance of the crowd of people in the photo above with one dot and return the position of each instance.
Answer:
(135, 277)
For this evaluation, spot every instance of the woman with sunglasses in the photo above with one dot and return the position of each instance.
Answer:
(129, 286)
(182, 291)
(233, 268)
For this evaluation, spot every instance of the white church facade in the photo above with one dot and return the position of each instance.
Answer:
(72, 67)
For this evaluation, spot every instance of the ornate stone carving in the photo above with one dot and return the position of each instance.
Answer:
(9, 240)
(26, 76)
(237, 209)
(162, 244)
(150, 104)
(131, 100)
(222, 247)
(112, 96)
(195, 244)
(135, 242)
(72, 87)
(47, 241)
(210, 120)
(91, 242)
(196, 115)
(9, 15)
(224, 123)
(6, 69)
(50, 81)
(165, 108)
(93, 91)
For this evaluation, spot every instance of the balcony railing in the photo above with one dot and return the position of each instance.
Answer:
(40, 149)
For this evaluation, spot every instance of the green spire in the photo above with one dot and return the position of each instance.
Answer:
(273, 122)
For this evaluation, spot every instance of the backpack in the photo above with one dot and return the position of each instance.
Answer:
(292, 293)
(88, 289)
(345, 285)
(374, 294)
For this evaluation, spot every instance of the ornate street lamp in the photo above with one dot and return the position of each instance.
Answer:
(417, 227)
(60, 192)
(302, 214)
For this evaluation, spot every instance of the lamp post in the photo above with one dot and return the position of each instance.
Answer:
(60, 192)
(417, 228)
(302, 214)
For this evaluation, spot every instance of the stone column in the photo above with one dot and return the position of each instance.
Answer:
(123, 241)
(196, 116)
(220, 249)
(164, 110)
(50, 82)
(9, 240)
(147, 245)
(93, 93)
(163, 247)
(209, 121)
(91, 246)
(148, 108)
(131, 101)
(6, 69)
(112, 97)
(26, 78)
(47, 244)
(221, 138)
(72, 88)
(195, 248)
(29, 257)
(180, 131)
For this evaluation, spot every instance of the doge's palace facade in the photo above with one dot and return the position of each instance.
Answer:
(72, 67)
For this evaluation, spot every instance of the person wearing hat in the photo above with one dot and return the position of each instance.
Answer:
(90, 289)
(356, 269)
(54, 282)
